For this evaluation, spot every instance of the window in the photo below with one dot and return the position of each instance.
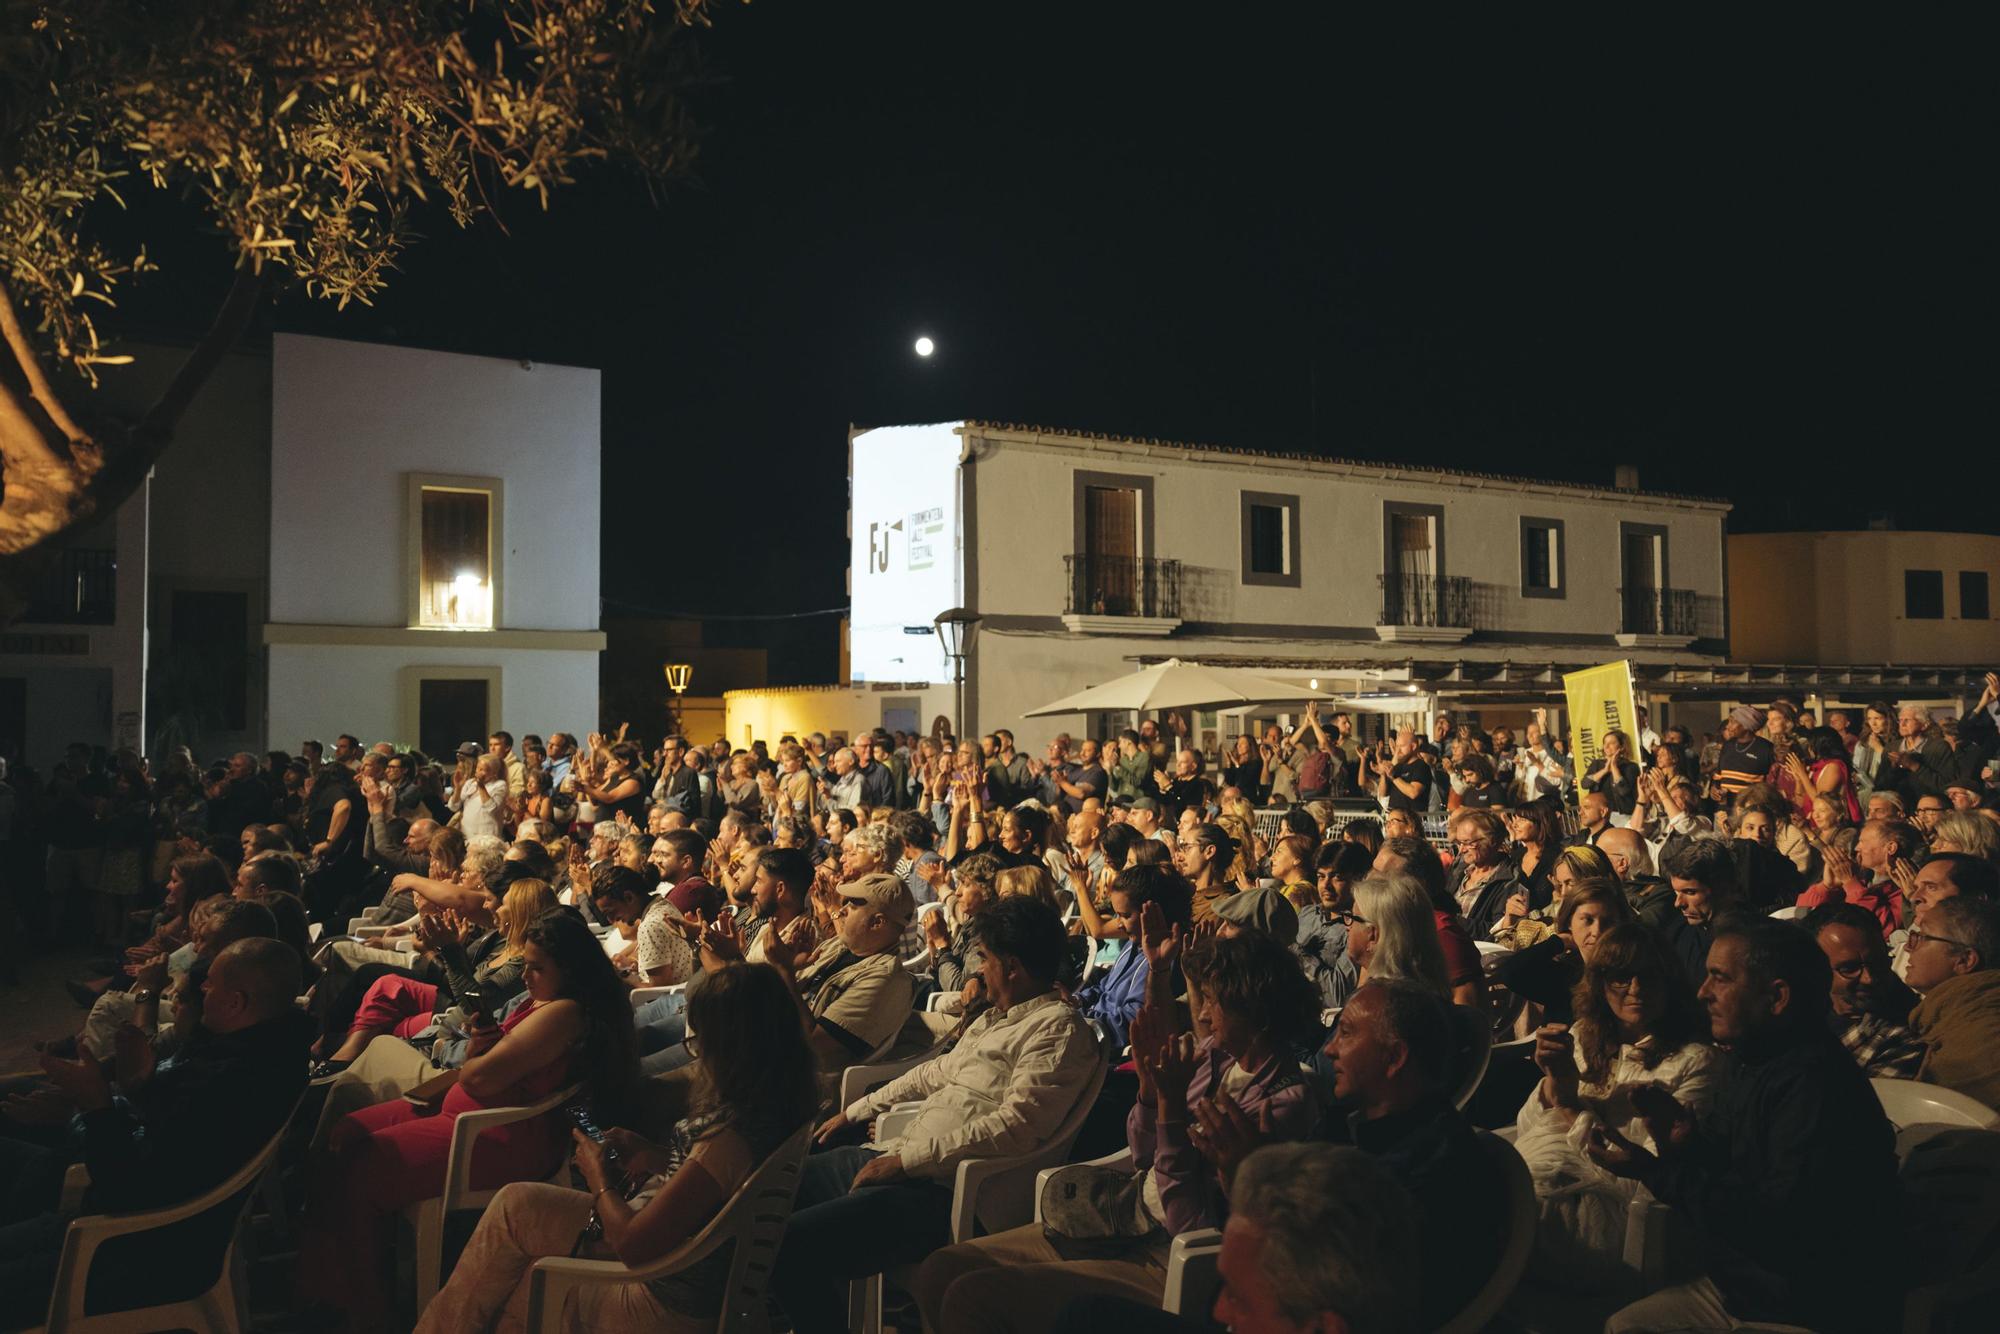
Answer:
(1972, 605)
(1542, 572)
(454, 554)
(1923, 595)
(1270, 539)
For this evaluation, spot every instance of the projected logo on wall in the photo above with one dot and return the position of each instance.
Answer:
(904, 553)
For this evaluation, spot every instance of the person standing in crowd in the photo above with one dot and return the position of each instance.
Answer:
(1403, 779)
(1746, 756)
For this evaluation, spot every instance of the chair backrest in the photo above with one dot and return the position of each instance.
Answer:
(1789, 914)
(1475, 1050)
(1952, 1181)
(86, 1234)
(1906, 1103)
(1521, 1215)
(1006, 1192)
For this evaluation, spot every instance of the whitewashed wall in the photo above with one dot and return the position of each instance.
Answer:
(350, 419)
(320, 690)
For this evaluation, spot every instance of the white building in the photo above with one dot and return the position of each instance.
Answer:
(344, 537)
(1405, 587)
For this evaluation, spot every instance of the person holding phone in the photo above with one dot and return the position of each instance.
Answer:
(645, 1198)
(381, 1159)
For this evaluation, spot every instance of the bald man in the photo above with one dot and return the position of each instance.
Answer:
(1651, 897)
(181, 1130)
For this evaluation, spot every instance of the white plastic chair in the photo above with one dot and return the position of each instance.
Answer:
(1790, 914)
(997, 1192)
(752, 1223)
(223, 1309)
(1506, 1276)
(1191, 1262)
(427, 1216)
(1907, 1103)
(641, 995)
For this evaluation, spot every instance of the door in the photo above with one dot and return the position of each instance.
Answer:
(1642, 574)
(1110, 583)
(450, 712)
(1409, 583)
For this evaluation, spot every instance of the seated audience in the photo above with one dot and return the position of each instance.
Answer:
(1114, 998)
(1871, 1005)
(1412, 857)
(576, 1027)
(1393, 1056)
(180, 1128)
(1636, 1023)
(1703, 876)
(1546, 973)
(1955, 968)
(1004, 1088)
(1258, 1011)
(1796, 1137)
(757, 1087)
(1483, 878)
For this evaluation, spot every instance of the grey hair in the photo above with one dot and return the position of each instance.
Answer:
(1406, 939)
(1968, 833)
(1339, 1234)
(484, 855)
(848, 751)
(1972, 922)
(869, 838)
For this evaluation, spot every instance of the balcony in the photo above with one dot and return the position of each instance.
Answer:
(79, 587)
(1121, 595)
(1425, 608)
(1657, 617)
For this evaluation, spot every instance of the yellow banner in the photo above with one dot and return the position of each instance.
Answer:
(1600, 701)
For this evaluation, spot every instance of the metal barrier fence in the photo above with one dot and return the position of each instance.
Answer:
(1437, 824)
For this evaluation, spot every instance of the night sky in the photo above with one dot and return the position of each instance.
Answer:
(1743, 259)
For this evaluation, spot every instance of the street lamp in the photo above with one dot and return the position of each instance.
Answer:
(677, 674)
(956, 629)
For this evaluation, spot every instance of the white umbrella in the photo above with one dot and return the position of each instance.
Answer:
(1174, 684)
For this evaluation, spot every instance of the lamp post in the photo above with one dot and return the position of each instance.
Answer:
(956, 629)
(677, 674)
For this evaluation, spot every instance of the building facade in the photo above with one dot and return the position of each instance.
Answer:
(1872, 598)
(344, 536)
(1087, 556)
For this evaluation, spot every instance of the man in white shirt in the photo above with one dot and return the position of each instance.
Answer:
(1005, 1088)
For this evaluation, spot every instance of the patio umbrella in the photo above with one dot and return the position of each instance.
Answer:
(1174, 684)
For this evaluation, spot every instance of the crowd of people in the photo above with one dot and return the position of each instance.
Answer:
(1246, 993)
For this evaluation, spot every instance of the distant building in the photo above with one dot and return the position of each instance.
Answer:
(1878, 598)
(345, 536)
(1414, 588)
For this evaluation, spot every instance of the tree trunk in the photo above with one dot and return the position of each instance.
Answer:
(56, 485)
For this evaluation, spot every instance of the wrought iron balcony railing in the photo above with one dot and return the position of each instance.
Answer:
(1122, 586)
(1443, 600)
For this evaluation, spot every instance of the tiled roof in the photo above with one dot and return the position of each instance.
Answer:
(1060, 432)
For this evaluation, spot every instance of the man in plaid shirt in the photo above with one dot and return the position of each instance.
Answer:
(1871, 1005)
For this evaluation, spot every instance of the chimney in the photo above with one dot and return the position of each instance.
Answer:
(1625, 477)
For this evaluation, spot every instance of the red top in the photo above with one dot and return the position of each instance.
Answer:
(1461, 956)
(1884, 900)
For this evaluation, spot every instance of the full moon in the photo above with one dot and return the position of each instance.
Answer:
(925, 347)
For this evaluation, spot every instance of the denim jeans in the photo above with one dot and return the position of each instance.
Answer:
(837, 1233)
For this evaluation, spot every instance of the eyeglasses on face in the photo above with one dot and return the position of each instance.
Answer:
(1918, 936)
(1352, 918)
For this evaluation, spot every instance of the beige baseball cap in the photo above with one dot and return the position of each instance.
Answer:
(885, 894)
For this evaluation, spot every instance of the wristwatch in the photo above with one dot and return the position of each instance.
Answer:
(142, 997)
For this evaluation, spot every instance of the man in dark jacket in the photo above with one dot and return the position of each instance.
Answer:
(176, 1132)
(1796, 1139)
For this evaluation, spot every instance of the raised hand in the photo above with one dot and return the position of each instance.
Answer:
(721, 940)
(1161, 945)
(132, 1056)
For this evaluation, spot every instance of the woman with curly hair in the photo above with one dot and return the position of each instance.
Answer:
(1639, 1033)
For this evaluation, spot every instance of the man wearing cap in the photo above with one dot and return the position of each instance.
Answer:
(1145, 817)
(852, 989)
(1266, 910)
(1746, 756)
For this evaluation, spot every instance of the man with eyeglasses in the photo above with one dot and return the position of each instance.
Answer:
(1871, 1005)
(1954, 964)
(852, 990)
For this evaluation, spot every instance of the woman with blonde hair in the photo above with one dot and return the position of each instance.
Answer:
(1034, 882)
(1966, 832)
(482, 972)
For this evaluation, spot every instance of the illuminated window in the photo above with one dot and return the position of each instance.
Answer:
(454, 552)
